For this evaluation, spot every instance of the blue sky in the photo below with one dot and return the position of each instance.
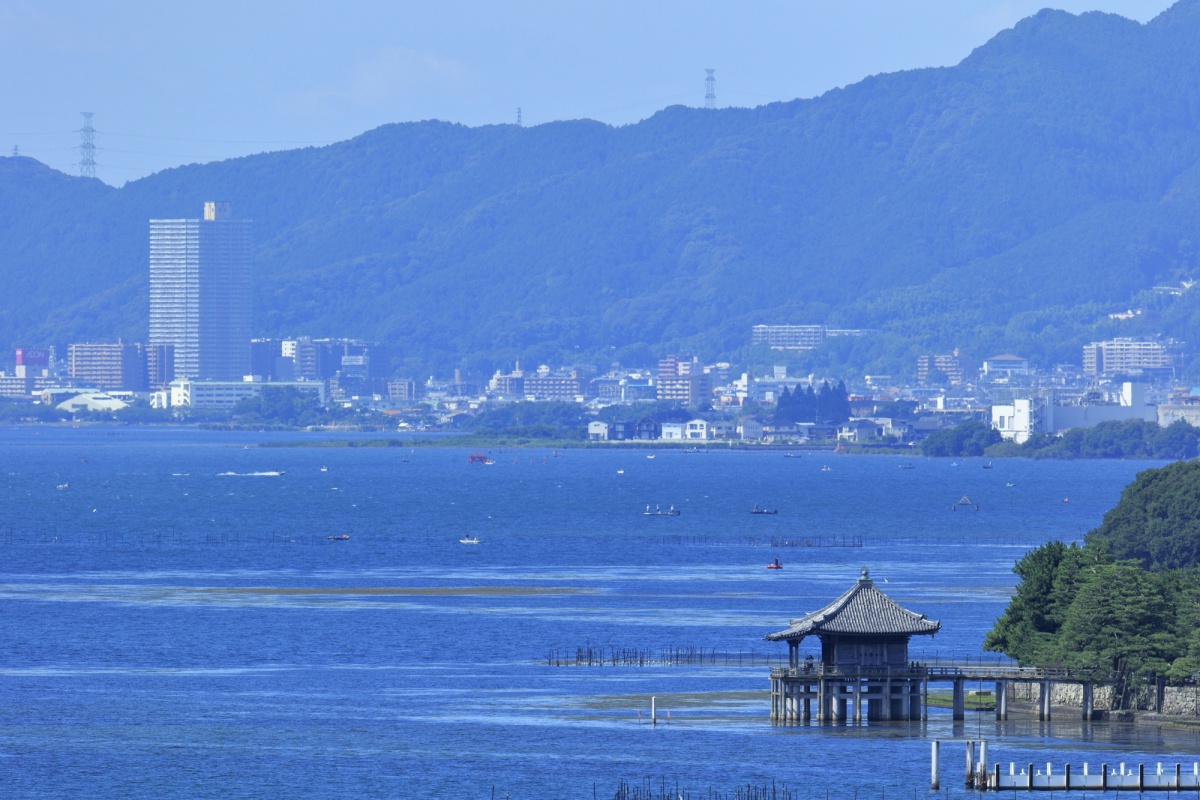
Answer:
(172, 83)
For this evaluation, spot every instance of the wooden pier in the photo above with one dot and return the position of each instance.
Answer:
(1162, 776)
(797, 690)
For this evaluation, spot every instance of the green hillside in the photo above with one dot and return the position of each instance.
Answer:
(1004, 204)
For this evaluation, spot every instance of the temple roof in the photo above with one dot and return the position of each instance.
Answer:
(861, 610)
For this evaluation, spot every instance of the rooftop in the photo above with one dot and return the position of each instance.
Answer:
(862, 609)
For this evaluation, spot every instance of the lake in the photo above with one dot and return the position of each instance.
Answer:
(178, 622)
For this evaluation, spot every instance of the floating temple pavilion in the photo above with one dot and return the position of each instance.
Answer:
(864, 661)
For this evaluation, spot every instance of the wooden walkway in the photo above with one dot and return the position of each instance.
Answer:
(958, 674)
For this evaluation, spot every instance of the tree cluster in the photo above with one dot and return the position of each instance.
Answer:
(1133, 438)
(827, 404)
(970, 438)
(1127, 602)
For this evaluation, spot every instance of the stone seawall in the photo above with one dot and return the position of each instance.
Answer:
(1178, 701)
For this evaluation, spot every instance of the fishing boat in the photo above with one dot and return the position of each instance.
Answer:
(907, 466)
(469, 540)
(826, 468)
(987, 465)
(757, 510)
(342, 538)
(775, 565)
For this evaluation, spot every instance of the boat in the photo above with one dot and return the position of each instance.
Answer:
(342, 538)
(651, 456)
(793, 455)
(907, 466)
(324, 469)
(987, 465)
(775, 565)
(469, 540)
(477, 458)
(757, 510)
(620, 472)
(658, 512)
(826, 468)
(62, 486)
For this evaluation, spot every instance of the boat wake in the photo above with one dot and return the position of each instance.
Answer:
(268, 474)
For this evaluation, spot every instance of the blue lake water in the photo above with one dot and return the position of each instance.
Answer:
(135, 663)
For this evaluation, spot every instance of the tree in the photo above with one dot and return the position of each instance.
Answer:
(1157, 520)
(965, 439)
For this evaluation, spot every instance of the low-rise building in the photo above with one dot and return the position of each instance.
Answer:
(672, 431)
(696, 429)
(597, 431)
(1026, 416)
(749, 429)
(189, 393)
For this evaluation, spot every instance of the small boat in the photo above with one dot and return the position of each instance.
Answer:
(62, 486)
(775, 565)
(757, 510)
(658, 512)
(620, 472)
(674, 512)
(324, 469)
(793, 455)
(344, 537)
(987, 465)
(469, 540)
(651, 456)
(907, 466)
(826, 468)
(954, 463)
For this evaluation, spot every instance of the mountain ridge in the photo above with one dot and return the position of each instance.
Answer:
(1056, 167)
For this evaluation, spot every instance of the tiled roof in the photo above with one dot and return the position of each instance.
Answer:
(862, 609)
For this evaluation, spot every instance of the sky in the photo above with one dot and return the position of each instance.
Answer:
(172, 83)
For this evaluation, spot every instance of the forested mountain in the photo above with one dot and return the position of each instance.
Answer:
(1008, 203)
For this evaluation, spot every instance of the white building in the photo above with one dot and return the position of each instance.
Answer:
(185, 393)
(200, 293)
(672, 431)
(597, 431)
(696, 429)
(1024, 417)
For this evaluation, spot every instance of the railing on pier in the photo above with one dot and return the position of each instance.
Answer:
(943, 671)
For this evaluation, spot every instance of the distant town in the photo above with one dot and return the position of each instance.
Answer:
(200, 363)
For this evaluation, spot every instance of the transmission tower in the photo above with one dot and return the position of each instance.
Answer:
(87, 147)
(710, 90)
(519, 116)
(16, 151)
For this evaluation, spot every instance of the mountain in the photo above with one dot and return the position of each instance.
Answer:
(1008, 203)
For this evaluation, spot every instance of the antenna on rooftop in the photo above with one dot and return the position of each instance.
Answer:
(519, 116)
(87, 147)
(710, 90)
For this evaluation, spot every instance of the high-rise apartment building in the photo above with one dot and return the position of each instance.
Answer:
(200, 292)
(109, 366)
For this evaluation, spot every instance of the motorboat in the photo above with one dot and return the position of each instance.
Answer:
(775, 565)
(342, 538)
(469, 540)
(757, 510)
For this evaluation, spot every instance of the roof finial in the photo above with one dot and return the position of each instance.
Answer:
(866, 575)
